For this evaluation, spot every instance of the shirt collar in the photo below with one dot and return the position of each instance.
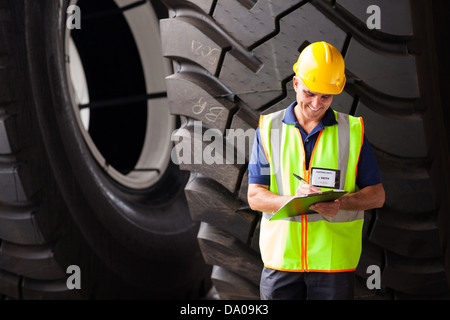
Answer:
(289, 117)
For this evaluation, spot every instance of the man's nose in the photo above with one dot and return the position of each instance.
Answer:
(316, 102)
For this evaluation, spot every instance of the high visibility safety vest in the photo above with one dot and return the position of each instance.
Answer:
(311, 242)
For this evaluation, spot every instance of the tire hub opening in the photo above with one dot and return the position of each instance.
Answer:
(117, 76)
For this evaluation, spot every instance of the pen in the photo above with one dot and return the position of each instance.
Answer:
(299, 178)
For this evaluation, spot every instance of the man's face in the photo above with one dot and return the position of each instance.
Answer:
(312, 104)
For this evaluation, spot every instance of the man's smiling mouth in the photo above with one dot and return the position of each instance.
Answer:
(315, 110)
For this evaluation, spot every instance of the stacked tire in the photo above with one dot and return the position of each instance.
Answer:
(233, 61)
(60, 206)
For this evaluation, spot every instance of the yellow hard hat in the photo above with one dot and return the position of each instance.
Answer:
(322, 68)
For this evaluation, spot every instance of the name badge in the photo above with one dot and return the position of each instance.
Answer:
(325, 178)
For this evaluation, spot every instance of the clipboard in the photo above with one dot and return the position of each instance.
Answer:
(300, 205)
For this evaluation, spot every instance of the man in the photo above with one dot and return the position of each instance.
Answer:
(312, 256)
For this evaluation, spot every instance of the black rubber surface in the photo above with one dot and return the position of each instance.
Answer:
(57, 206)
(233, 61)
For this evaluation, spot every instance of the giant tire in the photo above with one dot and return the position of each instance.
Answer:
(233, 61)
(59, 205)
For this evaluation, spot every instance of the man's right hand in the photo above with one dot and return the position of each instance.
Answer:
(304, 189)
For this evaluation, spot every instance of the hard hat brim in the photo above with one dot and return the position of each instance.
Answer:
(324, 88)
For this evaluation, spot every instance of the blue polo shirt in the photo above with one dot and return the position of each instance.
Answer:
(368, 173)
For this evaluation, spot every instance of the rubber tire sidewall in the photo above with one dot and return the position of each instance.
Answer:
(144, 238)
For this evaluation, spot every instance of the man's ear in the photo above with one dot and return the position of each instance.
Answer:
(295, 83)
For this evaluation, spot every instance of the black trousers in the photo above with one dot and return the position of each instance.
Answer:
(283, 285)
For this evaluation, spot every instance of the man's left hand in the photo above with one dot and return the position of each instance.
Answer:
(328, 209)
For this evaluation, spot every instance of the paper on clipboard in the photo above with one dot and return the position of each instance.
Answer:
(300, 205)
